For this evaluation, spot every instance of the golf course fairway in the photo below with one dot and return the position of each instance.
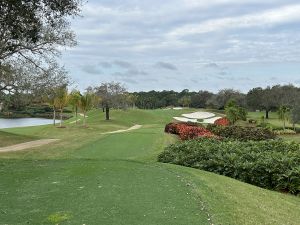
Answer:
(93, 178)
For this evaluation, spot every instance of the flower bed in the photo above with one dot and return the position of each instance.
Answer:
(222, 122)
(188, 131)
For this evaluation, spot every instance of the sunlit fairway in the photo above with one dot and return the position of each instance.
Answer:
(94, 178)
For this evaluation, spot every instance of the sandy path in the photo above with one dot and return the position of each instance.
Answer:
(135, 127)
(26, 145)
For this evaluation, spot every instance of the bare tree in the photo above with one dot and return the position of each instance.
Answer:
(111, 95)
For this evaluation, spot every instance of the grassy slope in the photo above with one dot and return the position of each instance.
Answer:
(114, 179)
(7, 138)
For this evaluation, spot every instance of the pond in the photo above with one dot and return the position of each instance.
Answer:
(24, 122)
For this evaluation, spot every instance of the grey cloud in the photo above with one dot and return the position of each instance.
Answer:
(131, 72)
(91, 69)
(212, 65)
(164, 65)
(105, 64)
(123, 64)
(130, 80)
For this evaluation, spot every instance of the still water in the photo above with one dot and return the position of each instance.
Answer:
(24, 122)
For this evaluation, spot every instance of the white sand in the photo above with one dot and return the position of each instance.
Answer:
(183, 119)
(177, 108)
(199, 115)
(211, 120)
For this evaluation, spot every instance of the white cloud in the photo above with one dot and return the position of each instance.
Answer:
(267, 18)
(233, 33)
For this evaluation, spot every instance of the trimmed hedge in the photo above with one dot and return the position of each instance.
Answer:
(272, 164)
(242, 133)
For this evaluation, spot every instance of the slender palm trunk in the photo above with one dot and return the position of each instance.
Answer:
(84, 116)
(76, 112)
(54, 116)
(107, 112)
(61, 116)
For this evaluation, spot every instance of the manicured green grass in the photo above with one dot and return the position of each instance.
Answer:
(91, 178)
(273, 119)
(7, 138)
(276, 123)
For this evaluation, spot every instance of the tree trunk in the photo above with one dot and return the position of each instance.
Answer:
(61, 116)
(84, 123)
(54, 116)
(107, 112)
(294, 126)
(283, 124)
(76, 112)
(103, 109)
(267, 114)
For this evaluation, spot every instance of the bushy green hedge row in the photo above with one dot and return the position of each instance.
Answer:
(272, 164)
(242, 133)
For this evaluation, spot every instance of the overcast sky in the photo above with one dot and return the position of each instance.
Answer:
(193, 44)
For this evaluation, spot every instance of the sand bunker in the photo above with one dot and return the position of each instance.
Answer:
(199, 115)
(183, 119)
(211, 120)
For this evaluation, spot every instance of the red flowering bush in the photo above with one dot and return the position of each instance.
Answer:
(222, 122)
(188, 131)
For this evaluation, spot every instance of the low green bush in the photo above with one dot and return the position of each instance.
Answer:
(242, 133)
(272, 164)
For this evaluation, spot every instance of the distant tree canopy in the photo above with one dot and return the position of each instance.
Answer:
(268, 99)
(272, 98)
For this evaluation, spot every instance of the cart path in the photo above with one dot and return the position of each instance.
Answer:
(135, 127)
(27, 145)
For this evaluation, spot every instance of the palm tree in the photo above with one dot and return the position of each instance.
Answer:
(75, 97)
(283, 113)
(50, 98)
(61, 101)
(86, 103)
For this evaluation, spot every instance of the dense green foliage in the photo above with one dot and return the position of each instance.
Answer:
(242, 133)
(234, 112)
(268, 164)
(34, 111)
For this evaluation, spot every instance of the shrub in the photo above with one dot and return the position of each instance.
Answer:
(234, 112)
(285, 131)
(242, 133)
(173, 128)
(187, 130)
(272, 164)
(252, 121)
(222, 122)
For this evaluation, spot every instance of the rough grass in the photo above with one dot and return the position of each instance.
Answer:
(90, 178)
